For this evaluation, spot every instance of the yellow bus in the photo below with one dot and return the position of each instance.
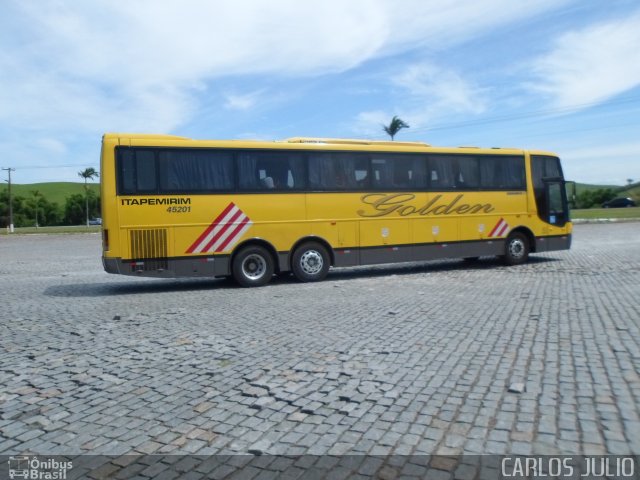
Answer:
(176, 207)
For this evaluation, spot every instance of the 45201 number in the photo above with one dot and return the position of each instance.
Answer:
(178, 209)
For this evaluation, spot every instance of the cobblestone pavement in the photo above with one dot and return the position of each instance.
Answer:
(411, 359)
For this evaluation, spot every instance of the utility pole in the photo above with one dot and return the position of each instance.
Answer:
(9, 170)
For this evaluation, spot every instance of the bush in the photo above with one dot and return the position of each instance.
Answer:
(594, 198)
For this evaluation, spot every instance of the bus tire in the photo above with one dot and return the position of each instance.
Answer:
(516, 249)
(252, 266)
(310, 262)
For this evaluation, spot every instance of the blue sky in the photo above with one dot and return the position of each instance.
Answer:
(557, 75)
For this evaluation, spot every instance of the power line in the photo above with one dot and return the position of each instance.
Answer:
(36, 167)
(531, 114)
(519, 116)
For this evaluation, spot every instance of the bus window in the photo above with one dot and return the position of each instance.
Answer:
(398, 172)
(136, 171)
(271, 171)
(337, 171)
(502, 173)
(195, 170)
(146, 171)
(467, 173)
(442, 172)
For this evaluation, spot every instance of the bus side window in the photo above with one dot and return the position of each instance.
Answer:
(126, 171)
(195, 170)
(146, 171)
(398, 171)
(336, 171)
(468, 175)
(502, 172)
(271, 171)
(443, 175)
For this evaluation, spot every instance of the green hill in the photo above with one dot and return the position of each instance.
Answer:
(585, 187)
(53, 191)
(630, 190)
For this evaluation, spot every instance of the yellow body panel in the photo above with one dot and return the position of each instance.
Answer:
(343, 220)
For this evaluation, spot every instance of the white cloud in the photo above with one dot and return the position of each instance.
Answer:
(78, 69)
(427, 92)
(52, 145)
(441, 88)
(244, 101)
(104, 65)
(591, 65)
(443, 23)
(369, 124)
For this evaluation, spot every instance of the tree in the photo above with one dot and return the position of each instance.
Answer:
(88, 174)
(594, 198)
(629, 181)
(74, 208)
(26, 210)
(36, 196)
(395, 126)
(39, 208)
(20, 219)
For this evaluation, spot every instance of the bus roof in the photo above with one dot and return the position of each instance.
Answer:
(310, 143)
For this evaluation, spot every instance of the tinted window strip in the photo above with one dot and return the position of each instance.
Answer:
(303, 159)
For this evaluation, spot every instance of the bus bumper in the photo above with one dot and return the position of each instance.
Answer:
(169, 268)
(549, 244)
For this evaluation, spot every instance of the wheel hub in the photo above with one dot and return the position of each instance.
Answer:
(254, 266)
(516, 248)
(311, 262)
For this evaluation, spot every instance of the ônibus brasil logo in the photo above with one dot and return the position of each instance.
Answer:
(224, 232)
(33, 468)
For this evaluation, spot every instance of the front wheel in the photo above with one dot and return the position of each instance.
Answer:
(253, 266)
(516, 249)
(310, 262)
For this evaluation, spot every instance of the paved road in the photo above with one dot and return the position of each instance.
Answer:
(409, 359)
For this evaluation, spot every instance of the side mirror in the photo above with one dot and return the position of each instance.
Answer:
(570, 188)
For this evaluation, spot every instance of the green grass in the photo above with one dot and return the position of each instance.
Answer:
(53, 191)
(609, 213)
(53, 230)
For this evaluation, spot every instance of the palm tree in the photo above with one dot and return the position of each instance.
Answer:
(88, 174)
(36, 200)
(395, 126)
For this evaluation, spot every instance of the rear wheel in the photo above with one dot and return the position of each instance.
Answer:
(516, 249)
(252, 266)
(310, 262)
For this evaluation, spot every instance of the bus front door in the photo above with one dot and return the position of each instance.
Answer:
(557, 209)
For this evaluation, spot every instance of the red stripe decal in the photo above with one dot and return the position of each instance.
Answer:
(210, 227)
(226, 226)
(233, 234)
(503, 230)
(496, 227)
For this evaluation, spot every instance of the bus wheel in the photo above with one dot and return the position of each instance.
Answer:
(252, 266)
(516, 249)
(310, 262)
